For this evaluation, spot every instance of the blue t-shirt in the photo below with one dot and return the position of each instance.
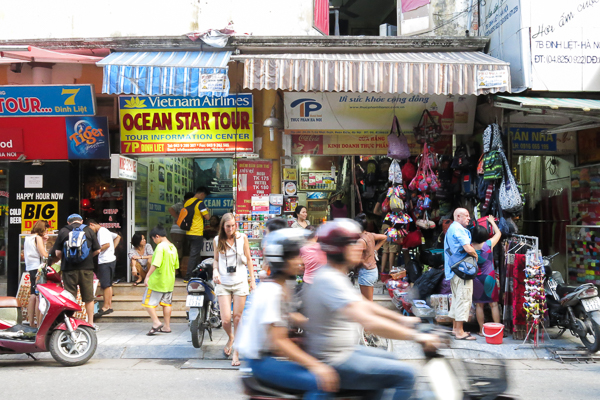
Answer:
(456, 237)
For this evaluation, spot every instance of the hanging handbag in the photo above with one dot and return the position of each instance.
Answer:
(427, 129)
(397, 142)
(409, 171)
(492, 165)
(508, 194)
(385, 206)
(396, 203)
(413, 239)
(462, 157)
(395, 172)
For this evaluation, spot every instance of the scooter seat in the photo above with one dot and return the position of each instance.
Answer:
(8, 302)
(266, 388)
(563, 290)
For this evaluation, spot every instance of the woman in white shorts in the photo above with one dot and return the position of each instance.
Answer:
(233, 262)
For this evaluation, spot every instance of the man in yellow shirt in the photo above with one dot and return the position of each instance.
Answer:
(195, 234)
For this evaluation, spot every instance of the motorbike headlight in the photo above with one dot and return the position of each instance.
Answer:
(195, 287)
(68, 295)
(43, 306)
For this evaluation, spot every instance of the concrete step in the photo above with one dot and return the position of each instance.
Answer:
(127, 289)
(384, 300)
(134, 303)
(140, 316)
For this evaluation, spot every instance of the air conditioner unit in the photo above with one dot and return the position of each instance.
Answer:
(388, 30)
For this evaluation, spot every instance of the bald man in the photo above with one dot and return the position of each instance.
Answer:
(457, 244)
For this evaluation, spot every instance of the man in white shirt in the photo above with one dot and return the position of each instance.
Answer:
(106, 263)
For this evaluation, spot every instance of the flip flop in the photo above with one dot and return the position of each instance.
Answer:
(236, 363)
(137, 283)
(468, 337)
(154, 330)
(163, 331)
(227, 350)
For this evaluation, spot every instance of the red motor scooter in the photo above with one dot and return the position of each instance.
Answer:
(71, 341)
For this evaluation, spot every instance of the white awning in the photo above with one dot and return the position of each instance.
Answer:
(458, 73)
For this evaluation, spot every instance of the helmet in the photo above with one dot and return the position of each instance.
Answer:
(281, 245)
(334, 236)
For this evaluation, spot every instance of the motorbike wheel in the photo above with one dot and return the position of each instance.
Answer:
(75, 352)
(590, 341)
(197, 329)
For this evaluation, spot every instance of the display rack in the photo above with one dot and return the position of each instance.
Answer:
(583, 253)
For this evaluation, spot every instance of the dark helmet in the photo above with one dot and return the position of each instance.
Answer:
(334, 236)
(282, 245)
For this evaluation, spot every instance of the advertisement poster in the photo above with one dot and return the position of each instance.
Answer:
(358, 145)
(361, 114)
(47, 100)
(254, 179)
(588, 142)
(87, 138)
(169, 124)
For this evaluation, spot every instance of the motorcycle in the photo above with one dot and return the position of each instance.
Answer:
(70, 341)
(576, 308)
(467, 376)
(204, 312)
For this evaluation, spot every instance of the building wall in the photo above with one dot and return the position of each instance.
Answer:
(117, 18)
(444, 18)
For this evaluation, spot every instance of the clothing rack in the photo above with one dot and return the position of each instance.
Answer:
(534, 239)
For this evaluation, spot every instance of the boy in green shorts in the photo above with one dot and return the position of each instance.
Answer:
(161, 280)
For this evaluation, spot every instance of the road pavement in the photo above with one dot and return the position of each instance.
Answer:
(134, 379)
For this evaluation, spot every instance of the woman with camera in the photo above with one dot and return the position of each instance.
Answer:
(233, 262)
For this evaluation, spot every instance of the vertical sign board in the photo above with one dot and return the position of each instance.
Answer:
(37, 193)
(253, 179)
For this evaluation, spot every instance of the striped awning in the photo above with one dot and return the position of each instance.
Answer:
(555, 103)
(457, 73)
(175, 73)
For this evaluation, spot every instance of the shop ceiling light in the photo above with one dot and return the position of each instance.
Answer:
(305, 162)
(272, 123)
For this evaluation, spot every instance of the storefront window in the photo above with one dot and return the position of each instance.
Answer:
(141, 199)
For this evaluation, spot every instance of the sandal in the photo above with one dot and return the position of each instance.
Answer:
(468, 337)
(137, 283)
(163, 331)
(227, 350)
(154, 330)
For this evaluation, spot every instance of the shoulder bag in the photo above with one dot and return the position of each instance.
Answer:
(397, 142)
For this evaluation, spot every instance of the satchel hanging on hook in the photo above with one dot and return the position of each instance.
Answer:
(397, 143)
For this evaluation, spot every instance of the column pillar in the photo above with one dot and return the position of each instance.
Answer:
(271, 149)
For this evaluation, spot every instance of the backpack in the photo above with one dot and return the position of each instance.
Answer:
(186, 216)
(75, 248)
(462, 158)
(395, 172)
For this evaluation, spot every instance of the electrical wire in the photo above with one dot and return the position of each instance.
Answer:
(451, 20)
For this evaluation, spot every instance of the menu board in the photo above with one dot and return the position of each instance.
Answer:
(253, 179)
(585, 195)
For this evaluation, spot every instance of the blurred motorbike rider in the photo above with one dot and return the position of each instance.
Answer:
(334, 309)
(264, 327)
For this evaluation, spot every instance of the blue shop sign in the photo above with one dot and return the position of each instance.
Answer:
(218, 202)
(87, 138)
(532, 139)
(47, 101)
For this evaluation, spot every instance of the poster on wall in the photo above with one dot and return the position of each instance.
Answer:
(87, 138)
(176, 125)
(588, 143)
(564, 43)
(361, 114)
(253, 179)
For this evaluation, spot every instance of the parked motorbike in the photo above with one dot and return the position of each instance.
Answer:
(71, 341)
(467, 376)
(204, 312)
(576, 308)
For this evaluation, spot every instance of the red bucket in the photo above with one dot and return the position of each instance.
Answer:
(493, 332)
